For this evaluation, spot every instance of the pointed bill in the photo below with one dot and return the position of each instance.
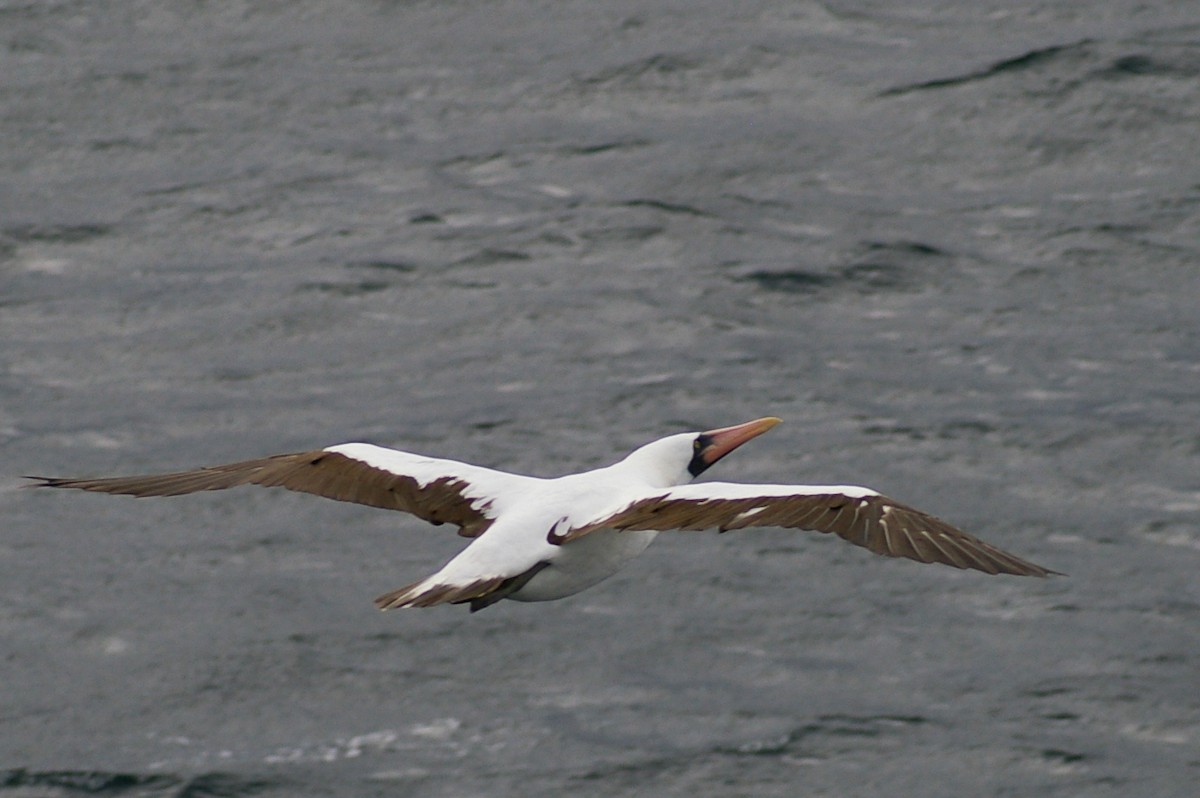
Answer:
(720, 442)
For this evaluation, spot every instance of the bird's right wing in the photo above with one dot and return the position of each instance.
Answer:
(858, 515)
(438, 491)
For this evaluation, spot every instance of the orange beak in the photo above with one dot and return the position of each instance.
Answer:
(721, 442)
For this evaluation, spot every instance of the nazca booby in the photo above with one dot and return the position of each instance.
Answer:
(537, 539)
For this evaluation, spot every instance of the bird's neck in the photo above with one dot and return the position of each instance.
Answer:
(653, 473)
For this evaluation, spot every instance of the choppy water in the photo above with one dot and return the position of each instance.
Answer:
(953, 245)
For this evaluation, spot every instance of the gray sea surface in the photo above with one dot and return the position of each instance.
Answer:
(956, 246)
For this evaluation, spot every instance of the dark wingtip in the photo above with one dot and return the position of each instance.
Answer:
(1034, 570)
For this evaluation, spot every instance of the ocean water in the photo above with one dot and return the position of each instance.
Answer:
(955, 246)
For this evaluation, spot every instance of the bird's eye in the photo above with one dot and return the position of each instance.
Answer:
(696, 445)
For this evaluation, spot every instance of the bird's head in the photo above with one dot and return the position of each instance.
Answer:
(677, 459)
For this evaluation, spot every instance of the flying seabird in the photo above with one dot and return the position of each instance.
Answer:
(537, 539)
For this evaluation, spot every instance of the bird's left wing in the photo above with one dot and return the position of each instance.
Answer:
(438, 491)
(855, 514)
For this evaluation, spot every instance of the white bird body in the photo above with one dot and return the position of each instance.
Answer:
(535, 508)
(538, 539)
(516, 549)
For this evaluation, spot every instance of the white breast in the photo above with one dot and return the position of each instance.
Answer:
(585, 562)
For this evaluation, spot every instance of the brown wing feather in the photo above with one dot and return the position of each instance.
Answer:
(478, 590)
(875, 522)
(328, 474)
(480, 594)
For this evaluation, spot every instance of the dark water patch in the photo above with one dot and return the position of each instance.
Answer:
(213, 211)
(85, 782)
(489, 256)
(905, 247)
(653, 66)
(475, 168)
(956, 430)
(869, 725)
(57, 233)
(759, 202)
(400, 266)
(426, 218)
(358, 288)
(175, 188)
(606, 146)
(647, 768)
(1027, 60)
(790, 282)
(1133, 65)
(120, 143)
(486, 426)
(472, 285)
(472, 161)
(223, 785)
(826, 726)
(669, 207)
(235, 375)
(634, 232)
(95, 782)
(1120, 229)
(1062, 757)
(1138, 65)
(895, 431)
(1048, 692)
(882, 267)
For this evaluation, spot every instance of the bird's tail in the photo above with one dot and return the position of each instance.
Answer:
(480, 593)
(429, 593)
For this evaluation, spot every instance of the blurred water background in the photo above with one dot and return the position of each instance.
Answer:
(954, 245)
